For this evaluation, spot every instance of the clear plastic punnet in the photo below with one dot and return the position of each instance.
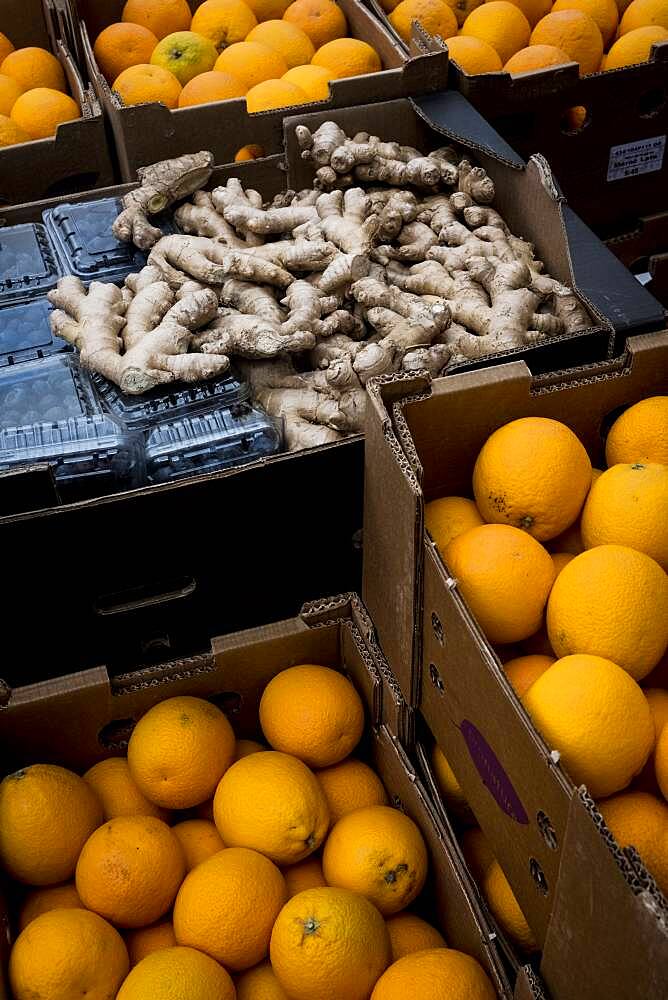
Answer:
(29, 267)
(25, 333)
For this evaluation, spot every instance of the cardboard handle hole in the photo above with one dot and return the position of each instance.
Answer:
(538, 875)
(607, 422)
(160, 592)
(435, 678)
(358, 540)
(437, 627)
(116, 735)
(575, 120)
(229, 702)
(547, 831)
(651, 103)
(398, 804)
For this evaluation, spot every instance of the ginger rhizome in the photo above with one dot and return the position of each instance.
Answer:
(393, 260)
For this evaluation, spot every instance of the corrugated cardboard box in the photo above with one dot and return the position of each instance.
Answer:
(644, 249)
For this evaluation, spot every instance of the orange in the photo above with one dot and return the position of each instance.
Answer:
(34, 67)
(5, 47)
(227, 906)
(473, 56)
(603, 12)
(10, 91)
(244, 748)
(460, 8)
(46, 815)
(661, 761)
(378, 852)
(448, 786)
(435, 974)
(409, 933)
(448, 517)
(268, 10)
(657, 700)
(179, 751)
(533, 10)
(312, 80)
(251, 63)
(635, 47)
(250, 152)
(576, 33)
(162, 17)
(305, 874)
(611, 601)
(532, 473)
(145, 84)
(259, 983)
(273, 803)
(644, 14)
(212, 86)
(130, 869)
(597, 718)
(290, 41)
(145, 940)
(348, 786)
(505, 577)
(502, 25)
(199, 840)
(434, 16)
(329, 943)
(640, 434)
(628, 505)
(348, 57)
(321, 20)
(535, 57)
(10, 133)
(54, 897)
(122, 45)
(501, 901)
(185, 54)
(65, 954)
(639, 820)
(115, 788)
(561, 559)
(477, 852)
(172, 973)
(223, 22)
(39, 112)
(524, 670)
(312, 712)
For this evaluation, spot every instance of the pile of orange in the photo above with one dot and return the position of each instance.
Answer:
(521, 36)
(565, 569)
(33, 94)
(201, 867)
(274, 53)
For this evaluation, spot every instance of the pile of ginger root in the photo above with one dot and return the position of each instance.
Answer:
(392, 261)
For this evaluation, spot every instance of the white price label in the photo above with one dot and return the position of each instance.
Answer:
(636, 158)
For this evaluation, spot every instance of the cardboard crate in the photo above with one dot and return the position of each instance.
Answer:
(644, 250)
(77, 157)
(86, 717)
(422, 442)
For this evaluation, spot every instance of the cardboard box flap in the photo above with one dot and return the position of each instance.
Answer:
(528, 986)
(451, 114)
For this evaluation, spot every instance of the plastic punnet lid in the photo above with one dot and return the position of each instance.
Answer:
(45, 391)
(25, 333)
(28, 263)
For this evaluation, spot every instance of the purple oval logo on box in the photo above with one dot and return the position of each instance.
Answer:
(493, 775)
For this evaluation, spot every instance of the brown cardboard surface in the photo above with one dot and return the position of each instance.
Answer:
(645, 248)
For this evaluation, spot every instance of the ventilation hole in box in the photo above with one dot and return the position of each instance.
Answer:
(437, 627)
(608, 421)
(548, 832)
(115, 735)
(229, 702)
(575, 120)
(538, 875)
(436, 678)
(358, 539)
(397, 803)
(5, 693)
(652, 102)
(153, 649)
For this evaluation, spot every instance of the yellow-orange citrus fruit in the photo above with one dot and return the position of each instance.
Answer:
(122, 45)
(272, 94)
(39, 112)
(378, 852)
(448, 785)
(561, 559)
(435, 974)
(409, 933)
(223, 22)
(144, 941)
(603, 12)
(177, 972)
(268, 10)
(5, 47)
(53, 897)
(477, 852)
(65, 954)
(10, 91)
(576, 33)
(611, 601)
(33, 67)
(305, 874)
(293, 44)
(501, 25)
(47, 814)
(185, 54)
(348, 786)
(534, 474)
(524, 670)
(533, 10)
(179, 751)
(244, 748)
(116, 789)
(130, 869)
(473, 56)
(145, 84)
(436, 17)
(227, 906)
(259, 983)
(313, 712)
(644, 14)
(506, 909)
(657, 699)
(576, 117)
(162, 17)
(212, 86)
(312, 80)
(250, 152)
(329, 943)
(639, 820)
(199, 839)
(460, 8)
(448, 517)
(661, 761)
(597, 717)
(640, 434)
(505, 577)
(635, 47)
(273, 803)
(535, 57)
(321, 20)
(628, 505)
(348, 57)
(10, 133)
(251, 63)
